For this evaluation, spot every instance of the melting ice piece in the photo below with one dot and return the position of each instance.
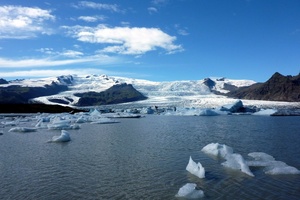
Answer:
(217, 149)
(271, 166)
(189, 191)
(265, 112)
(22, 129)
(195, 168)
(104, 120)
(208, 112)
(236, 161)
(64, 137)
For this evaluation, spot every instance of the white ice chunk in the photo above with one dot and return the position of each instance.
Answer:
(237, 162)
(81, 119)
(64, 137)
(104, 120)
(235, 107)
(271, 166)
(265, 112)
(208, 112)
(195, 168)
(22, 129)
(275, 169)
(217, 149)
(189, 191)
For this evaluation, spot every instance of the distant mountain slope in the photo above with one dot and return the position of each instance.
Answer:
(167, 92)
(120, 93)
(277, 88)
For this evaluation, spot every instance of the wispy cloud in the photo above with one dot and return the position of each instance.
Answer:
(125, 40)
(94, 18)
(181, 30)
(98, 6)
(51, 72)
(52, 62)
(17, 22)
(152, 10)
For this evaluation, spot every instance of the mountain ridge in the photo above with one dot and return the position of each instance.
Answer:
(208, 92)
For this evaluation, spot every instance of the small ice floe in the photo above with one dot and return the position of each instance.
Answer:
(22, 129)
(62, 124)
(233, 160)
(217, 149)
(271, 166)
(64, 137)
(266, 112)
(189, 191)
(195, 168)
(208, 112)
(237, 162)
(104, 120)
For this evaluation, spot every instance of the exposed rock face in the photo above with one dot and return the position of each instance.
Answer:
(16, 94)
(277, 88)
(120, 93)
(3, 81)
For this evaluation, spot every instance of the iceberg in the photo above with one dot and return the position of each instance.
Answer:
(217, 149)
(189, 191)
(104, 120)
(208, 112)
(271, 166)
(233, 160)
(195, 168)
(237, 162)
(235, 107)
(64, 137)
(22, 129)
(265, 112)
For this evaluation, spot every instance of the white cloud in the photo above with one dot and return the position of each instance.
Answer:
(51, 72)
(19, 22)
(125, 40)
(180, 30)
(72, 53)
(152, 10)
(51, 62)
(92, 18)
(99, 6)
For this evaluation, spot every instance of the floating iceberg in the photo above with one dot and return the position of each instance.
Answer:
(195, 168)
(265, 112)
(235, 107)
(62, 124)
(104, 120)
(233, 161)
(64, 137)
(189, 191)
(237, 162)
(271, 166)
(217, 149)
(208, 112)
(22, 129)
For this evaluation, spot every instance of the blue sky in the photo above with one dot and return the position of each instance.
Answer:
(158, 40)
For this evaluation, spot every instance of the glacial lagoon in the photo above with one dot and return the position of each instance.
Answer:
(146, 158)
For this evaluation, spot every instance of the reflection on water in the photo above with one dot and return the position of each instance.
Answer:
(146, 158)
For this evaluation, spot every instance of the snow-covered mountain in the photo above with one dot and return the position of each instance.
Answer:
(206, 93)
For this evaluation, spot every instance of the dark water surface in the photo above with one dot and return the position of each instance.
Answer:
(146, 158)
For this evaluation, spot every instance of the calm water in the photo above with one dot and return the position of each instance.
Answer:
(146, 158)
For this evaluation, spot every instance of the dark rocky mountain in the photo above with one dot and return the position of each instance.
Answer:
(16, 94)
(3, 81)
(120, 93)
(277, 88)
